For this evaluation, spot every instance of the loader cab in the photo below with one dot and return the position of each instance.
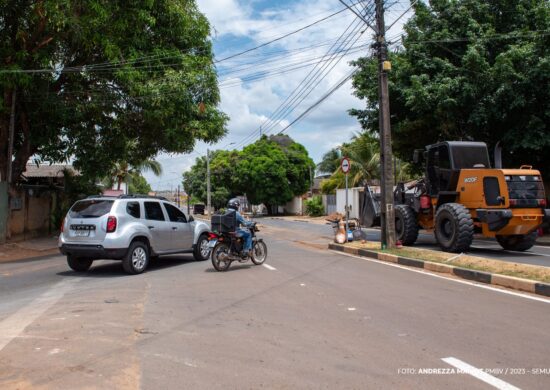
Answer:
(444, 161)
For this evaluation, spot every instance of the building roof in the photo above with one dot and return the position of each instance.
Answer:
(54, 170)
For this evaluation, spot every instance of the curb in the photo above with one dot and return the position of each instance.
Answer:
(520, 284)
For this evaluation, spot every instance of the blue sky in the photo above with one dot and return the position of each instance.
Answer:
(240, 25)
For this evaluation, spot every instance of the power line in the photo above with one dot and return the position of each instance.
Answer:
(287, 108)
(321, 100)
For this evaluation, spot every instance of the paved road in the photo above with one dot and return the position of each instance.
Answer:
(314, 319)
(538, 255)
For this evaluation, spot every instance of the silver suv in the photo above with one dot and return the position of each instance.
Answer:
(129, 228)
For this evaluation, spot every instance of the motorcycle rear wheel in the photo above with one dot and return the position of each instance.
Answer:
(219, 264)
(259, 252)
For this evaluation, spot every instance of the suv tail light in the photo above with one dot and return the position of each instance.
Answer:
(62, 225)
(542, 202)
(111, 224)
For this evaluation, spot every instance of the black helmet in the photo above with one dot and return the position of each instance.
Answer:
(234, 204)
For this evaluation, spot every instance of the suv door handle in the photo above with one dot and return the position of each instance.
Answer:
(151, 227)
(174, 228)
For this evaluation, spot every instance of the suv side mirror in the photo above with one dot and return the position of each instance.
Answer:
(191, 219)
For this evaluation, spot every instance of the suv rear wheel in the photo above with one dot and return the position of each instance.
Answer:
(79, 264)
(137, 258)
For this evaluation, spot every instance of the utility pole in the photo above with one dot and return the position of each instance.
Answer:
(310, 182)
(384, 66)
(178, 195)
(208, 181)
(12, 131)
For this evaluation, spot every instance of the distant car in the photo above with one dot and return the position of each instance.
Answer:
(129, 228)
(199, 208)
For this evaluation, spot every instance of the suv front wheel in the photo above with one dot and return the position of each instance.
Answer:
(79, 264)
(137, 258)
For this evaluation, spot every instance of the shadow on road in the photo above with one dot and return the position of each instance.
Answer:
(113, 269)
(234, 267)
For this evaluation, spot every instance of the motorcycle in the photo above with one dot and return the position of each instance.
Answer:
(227, 248)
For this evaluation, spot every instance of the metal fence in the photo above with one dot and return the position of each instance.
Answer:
(329, 201)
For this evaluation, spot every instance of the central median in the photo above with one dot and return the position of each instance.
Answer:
(523, 277)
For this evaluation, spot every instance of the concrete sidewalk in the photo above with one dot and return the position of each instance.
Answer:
(37, 247)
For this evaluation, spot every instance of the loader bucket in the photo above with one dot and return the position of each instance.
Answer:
(370, 210)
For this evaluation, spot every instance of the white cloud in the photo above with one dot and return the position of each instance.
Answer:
(249, 104)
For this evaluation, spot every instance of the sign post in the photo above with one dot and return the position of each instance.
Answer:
(346, 165)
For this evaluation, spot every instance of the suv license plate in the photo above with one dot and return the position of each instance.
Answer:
(82, 233)
(212, 243)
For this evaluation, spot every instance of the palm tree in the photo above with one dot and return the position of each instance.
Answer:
(123, 172)
(364, 154)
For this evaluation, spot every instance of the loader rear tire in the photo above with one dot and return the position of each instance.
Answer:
(454, 228)
(406, 228)
(518, 242)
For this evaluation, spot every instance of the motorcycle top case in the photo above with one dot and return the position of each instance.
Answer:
(224, 223)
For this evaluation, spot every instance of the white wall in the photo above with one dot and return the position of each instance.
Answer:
(353, 199)
(295, 206)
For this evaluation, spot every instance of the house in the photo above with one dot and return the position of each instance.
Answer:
(34, 199)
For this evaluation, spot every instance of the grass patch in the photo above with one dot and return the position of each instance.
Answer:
(525, 271)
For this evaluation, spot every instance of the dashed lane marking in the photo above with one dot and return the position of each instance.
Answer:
(269, 267)
(479, 374)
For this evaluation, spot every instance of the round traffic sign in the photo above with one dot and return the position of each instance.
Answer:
(345, 165)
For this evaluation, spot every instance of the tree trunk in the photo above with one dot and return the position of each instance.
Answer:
(26, 149)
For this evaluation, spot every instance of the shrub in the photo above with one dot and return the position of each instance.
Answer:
(314, 207)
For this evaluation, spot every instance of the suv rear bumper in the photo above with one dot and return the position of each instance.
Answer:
(93, 251)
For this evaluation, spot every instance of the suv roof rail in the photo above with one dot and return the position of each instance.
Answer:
(131, 196)
(141, 196)
(100, 196)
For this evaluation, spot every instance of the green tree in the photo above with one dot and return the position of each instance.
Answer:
(273, 170)
(138, 185)
(270, 171)
(364, 153)
(468, 70)
(222, 176)
(105, 75)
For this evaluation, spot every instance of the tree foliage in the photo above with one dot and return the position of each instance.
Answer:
(468, 70)
(138, 185)
(270, 171)
(364, 153)
(92, 77)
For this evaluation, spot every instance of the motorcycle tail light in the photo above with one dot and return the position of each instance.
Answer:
(211, 236)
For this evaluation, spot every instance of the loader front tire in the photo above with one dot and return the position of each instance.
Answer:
(406, 227)
(454, 228)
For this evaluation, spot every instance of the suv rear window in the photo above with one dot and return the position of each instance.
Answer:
(132, 208)
(91, 208)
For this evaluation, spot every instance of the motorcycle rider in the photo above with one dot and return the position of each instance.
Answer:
(234, 205)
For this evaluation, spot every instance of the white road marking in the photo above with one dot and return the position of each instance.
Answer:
(351, 308)
(269, 267)
(487, 287)
(302, 284)
(479, 374)
(13, 325)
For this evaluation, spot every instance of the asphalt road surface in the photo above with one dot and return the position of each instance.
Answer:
(309, 319)
(537, 255)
